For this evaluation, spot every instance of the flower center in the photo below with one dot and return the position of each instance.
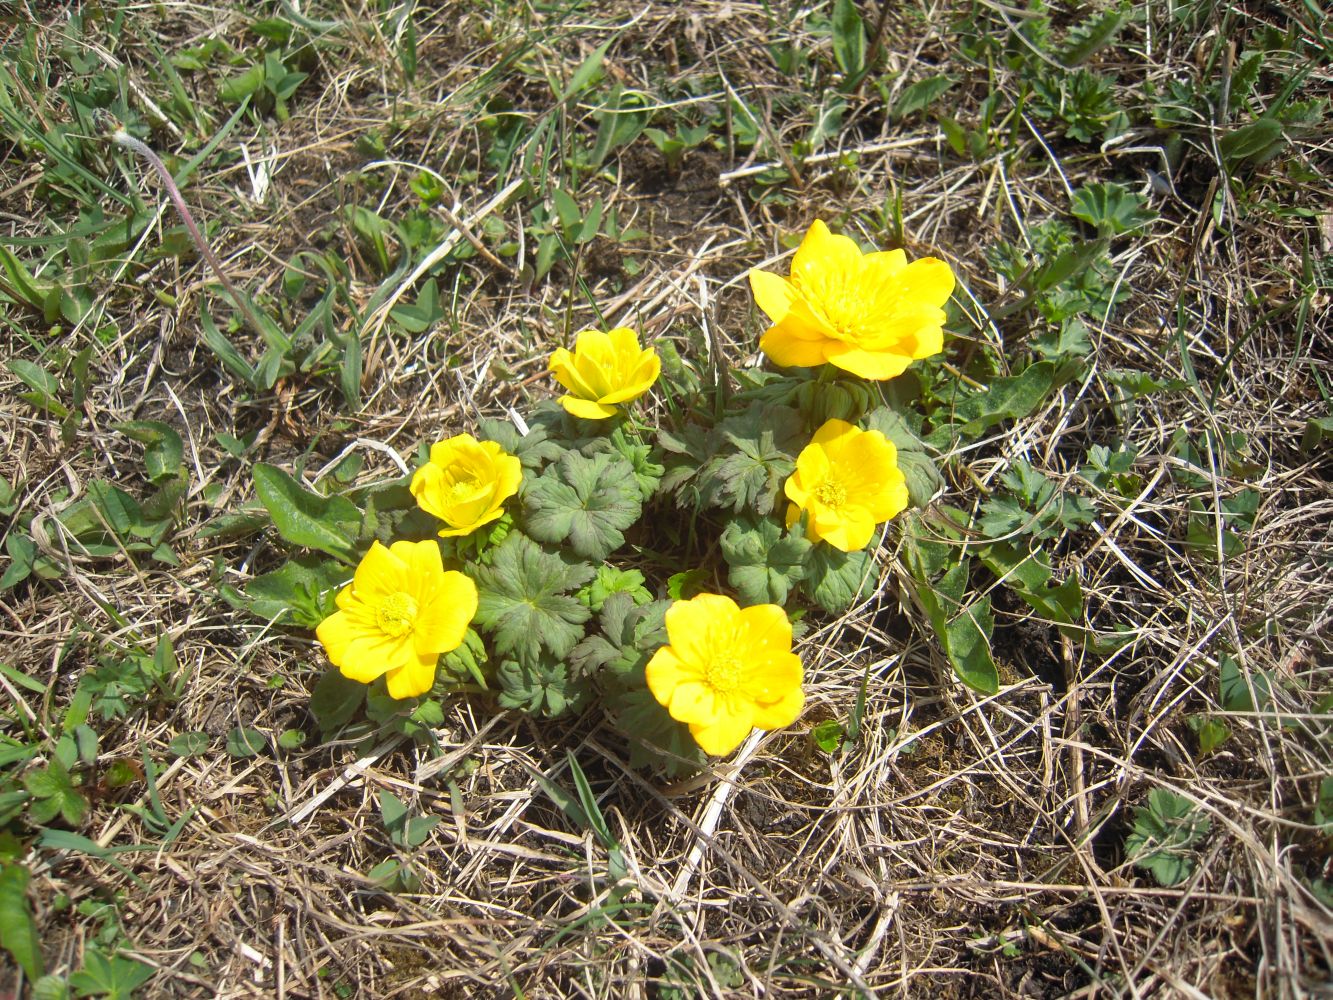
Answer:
(831, 493)
(724, 673)
(397, 614)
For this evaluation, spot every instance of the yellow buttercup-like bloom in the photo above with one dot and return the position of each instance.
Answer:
(726, 670)
(871, 314)
(466, 483)
(603, 370)
(849, 481)
(401, 611)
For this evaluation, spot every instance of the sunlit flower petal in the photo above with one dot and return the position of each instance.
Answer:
(409, 611)
(847, 480)
(870, 314)
(726, 670)
(604, 370)
(466, 483)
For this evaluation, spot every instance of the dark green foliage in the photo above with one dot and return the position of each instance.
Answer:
(1165, 834)
(765, 562)
(526, 601)
(740, 464)
(587, 502)
(540, 687)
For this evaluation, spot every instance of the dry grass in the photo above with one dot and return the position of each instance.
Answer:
(967, 846)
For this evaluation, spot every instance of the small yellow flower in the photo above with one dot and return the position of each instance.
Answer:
(870, 314)
(849, 481)
(603, 370)
(466, 483)
(399, 613)
(726, 670)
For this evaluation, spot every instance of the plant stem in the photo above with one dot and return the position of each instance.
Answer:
(126, 141)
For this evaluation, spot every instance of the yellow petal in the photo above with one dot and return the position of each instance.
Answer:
(832, 434)
(413, 678)
(781, 713)
(624, 341)
(725, 734)
(335, 633)
(370, 654)
(587, 409)
(767, 630)
(786, 346)
(694, 702)
(823, 262)
(770, 678)
(927, 281)
(695, 626)
(443, 619)
(379, 574)
(664, 672)
(773, 294)
(882, 265)
(566, 370)
(867, 364)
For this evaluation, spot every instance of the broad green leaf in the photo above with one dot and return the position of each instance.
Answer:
(335, 700)
(1252, 144)
(245, 742)
(121, 511)
(585, 501)
(1211, 733)
(836, 580)
(190, 744)
(849, 39)
(968, 645)
(299, 590)
(305, 518)
(18, 930)
(828, 735)
(921, 95)
(115, 978)
(1007, 398)
(1236, 692)
(525, 600)
(765, 562)
(54, 794)
(1029, 576)
(43, 384)
(165, 453)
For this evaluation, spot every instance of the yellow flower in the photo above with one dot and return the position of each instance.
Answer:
(399, 613)
(604, 369)
(871, 314)
(849, 481)
(726, 670)
(465, 483)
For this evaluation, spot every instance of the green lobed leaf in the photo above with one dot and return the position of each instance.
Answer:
(835, 580)
(610, 580)
(1112, 208)
(1093, 35)
(1165, 833)
(190, 744)
(751, 456)
(164, 456)
(18, 930)
(1007, 398)
(335, 700)
(299, 591)
(115, 978)
(306, 518)
(543, 687)
(918, 469)
(765, 562)
(525, 600)
(588, 502)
